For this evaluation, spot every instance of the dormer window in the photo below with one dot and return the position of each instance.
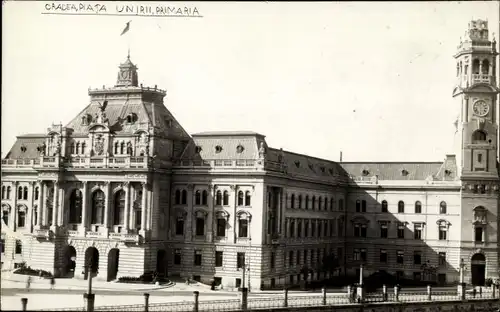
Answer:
(331, 171)
(23, 148)
(218, 149)
(311, 166)
(447, 172)
(240, 149)
(131, 118)
(86, 119)
(404, 172)
(297, 163)
(198, 149)
(168, 123)
(322, 169)
(365, 172)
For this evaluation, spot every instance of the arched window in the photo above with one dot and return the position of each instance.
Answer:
(119, 209)
(418, 207)
(4, 189)
(320, 203)
(247, 198)
(73, 148)
(292, 201)
(37, 193)
(313, 202)
(116, 148)
(77, 150)
(307, 202)
(479, 135)
(20, 193)
(358, 205)
(299, 229)
(183, 197)
(75, 207)
(401, 206)
(8, 192)
(83, 148)
(197, 198)
(384, 206)
(332, 204)
(486, 67)
(177, 200)
(475, 66)
(204, 197)
(122, 148)
(300, 201)
(218, 198)
(5, 216)
(292, 228)
(49, 204)
(442, 207)
(225, 198)
(363, 205)
(25, 193)
(240, 198)
(98, 200)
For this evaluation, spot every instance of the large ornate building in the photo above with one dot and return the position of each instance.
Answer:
(122, 189)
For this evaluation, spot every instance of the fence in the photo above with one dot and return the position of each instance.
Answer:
(290, 300)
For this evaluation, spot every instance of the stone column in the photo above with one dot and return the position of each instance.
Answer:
(13, 214)
(210, 215)
(54, 204)
(39, 213)
(29, 213)
(106, 205)
(196, 302)
(384, 293)
(146, 302)
(429, 292)
(83, 225)
(323, 290)
(143, 207)
(61, 214)
(127, 209)
(285, 298)
(24, 303)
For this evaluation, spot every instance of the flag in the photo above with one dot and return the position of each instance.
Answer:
(127, 27)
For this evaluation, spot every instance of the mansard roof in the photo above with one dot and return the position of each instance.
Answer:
(392, 170)
(30, 142)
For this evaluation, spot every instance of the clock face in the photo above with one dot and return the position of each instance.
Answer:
(481, 108)
(125, 74)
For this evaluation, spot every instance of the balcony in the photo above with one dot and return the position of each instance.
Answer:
(42, 233)
(481, 78)
(233, 164)
(78, 162)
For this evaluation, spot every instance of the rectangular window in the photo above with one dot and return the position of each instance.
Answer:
(417, 231)
(218, 258)
(305, 257)
(240, 260)
(363, 255)
(363, 230)
(417, 257)
(479, 158)
(221, 227)
(197, 257)
(3, 245)
(200, 226)
(357, 230)
(273, 260)
(383, 231)
(341, 205)
(357, 255)
(363, 206)
(442, 258)
(358, 206)
(478, 234)
(401, 230)
(290, 258)
(238, 282)
(442, 233)
(179, 226)
(400, 255)
(297, 260)
(19, 247)
(178, 257)
(383, 256)
(242, 228)
(21, 219)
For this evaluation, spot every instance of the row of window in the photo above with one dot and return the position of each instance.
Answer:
(221, 198)
(306, 202)
(219, 256)
(302, 257)
(321, 228)
(361, 206)
(22, 192)
(360, 254)
(19, 247)
(221, 227)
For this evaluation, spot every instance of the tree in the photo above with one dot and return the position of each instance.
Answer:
(331, 263)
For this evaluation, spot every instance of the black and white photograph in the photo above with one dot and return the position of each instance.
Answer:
(250, 156)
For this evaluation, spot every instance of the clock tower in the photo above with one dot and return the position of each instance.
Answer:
(127, 76)
(476, 92)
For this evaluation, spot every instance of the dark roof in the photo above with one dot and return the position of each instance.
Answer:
(31, 142)
(228, 133)
(392, 170)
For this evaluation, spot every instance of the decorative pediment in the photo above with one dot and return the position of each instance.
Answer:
(98, 128)
(244, 215)
(480, 214)
(482, 87)
(22, 208)
(180, 213)
(5, 207)
(384, 222)
(442, 222)
(200, 213)
(360, 220)
(222, 214)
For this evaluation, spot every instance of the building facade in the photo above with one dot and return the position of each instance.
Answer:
(123, 189)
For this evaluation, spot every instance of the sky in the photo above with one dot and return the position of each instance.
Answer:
(373, 80)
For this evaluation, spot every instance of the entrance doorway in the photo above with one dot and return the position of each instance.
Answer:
(91, 262)
(69, 262)
(478, 269)
(113, 258)
(160, 263)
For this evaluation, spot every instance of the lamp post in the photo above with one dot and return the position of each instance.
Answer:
(461, 285)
